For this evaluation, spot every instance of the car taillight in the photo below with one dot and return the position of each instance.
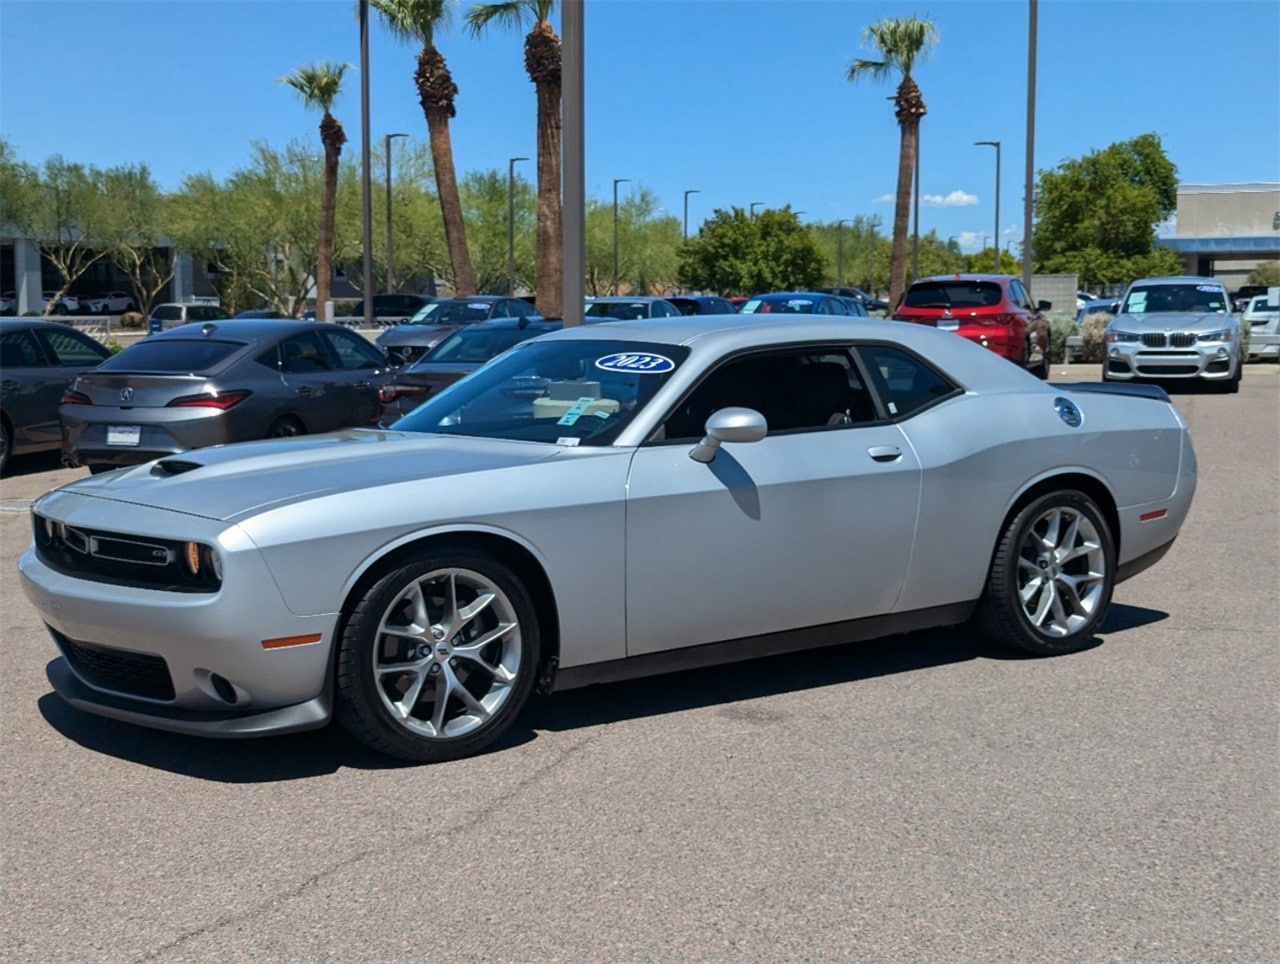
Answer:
(74, 398)
(389, 393)
(218, 400)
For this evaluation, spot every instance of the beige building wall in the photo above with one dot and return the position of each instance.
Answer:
(1228, 210)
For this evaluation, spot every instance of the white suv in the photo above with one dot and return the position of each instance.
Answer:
(173, 314)
(1263, 316)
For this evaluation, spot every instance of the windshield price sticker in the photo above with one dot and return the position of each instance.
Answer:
(576, 410)
(636, 362)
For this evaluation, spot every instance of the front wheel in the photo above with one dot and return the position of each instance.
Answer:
(438, 657)
(1052, 576)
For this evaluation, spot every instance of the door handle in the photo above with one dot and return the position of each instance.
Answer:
(885, 453)
(8, 385)
(305, 391)
(362, 385)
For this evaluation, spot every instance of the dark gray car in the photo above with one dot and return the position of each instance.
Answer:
(410, 341)
(224, 381)
(37, 359)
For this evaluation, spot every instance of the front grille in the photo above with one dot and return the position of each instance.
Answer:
(118, 670)
(1182, 339)
(122, 560)
(1153, 339)
(1158, 339)
(1169, 369)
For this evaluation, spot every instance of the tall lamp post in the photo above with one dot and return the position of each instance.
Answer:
(840, 251)
(511, 223)
(366, 191)
(616, 182)
(996, 144)
(391, 280)
(686, 209)
(754, 205)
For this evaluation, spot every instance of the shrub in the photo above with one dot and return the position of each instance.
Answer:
(1060, 329)
(1092, 331)
(1245, 329)
(132, 319)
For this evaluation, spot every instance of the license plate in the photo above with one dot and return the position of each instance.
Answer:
(949, 324)
(124, 434)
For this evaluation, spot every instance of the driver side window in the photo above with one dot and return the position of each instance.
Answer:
(794, 389)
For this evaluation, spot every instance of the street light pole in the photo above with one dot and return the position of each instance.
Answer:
(616, 182)
(686, 209)
(754, 205)
(840, 251)
(996, 144)
(366, 190)
(511, 223)
(391, 281)
(1028, 188)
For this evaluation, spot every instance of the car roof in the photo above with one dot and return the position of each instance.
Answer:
(623, 299)
(965, 277)
(19, 324)
(1180, 279)
(525, 323)
(469, 298)
(249, 329)
(795, 294)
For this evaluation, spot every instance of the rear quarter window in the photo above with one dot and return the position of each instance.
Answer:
(906, 383)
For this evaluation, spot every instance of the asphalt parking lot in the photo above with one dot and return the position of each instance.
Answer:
(923, 798)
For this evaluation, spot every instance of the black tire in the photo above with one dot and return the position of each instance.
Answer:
(286, 426)
(1232, 385)
(1074, 593)
(466, 689)
(1041, 371)
(6, 447)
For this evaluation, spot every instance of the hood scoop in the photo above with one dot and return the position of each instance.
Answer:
(174, 466)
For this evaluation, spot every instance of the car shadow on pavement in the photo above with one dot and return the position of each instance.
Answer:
(305, 755)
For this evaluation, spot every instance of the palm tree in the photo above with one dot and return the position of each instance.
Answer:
(319, 85)
(899, 43)
(542, 61)
(414, 21)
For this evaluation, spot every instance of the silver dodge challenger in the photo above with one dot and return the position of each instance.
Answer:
(599, 503)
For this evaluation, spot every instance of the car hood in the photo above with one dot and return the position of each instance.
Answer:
(230, 482)
(1167, 321)
(411, 334)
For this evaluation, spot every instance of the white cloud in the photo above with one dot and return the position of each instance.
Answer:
(956, 199)
(883, 199)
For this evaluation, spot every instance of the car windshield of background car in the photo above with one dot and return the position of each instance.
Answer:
(577, 391)
(953, 294)
(172, 356)
(476, 345)
(1192, 298)
(622, 311)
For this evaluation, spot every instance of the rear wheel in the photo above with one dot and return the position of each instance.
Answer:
(6, 447)
(1232, 385)
(286, 427)
(438, 657)
(1052, 576)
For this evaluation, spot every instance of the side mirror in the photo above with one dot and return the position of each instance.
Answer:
(1115, 307)
(729, 425)
(1044, 305)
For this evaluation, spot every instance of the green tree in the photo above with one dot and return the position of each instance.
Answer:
(484, 200)
(72, 212)
(20, 192)
(735, 254)
(849, 251)
(1267, 273)
(1096, 216)
(139, 244)
(257, 231)
(319, 85)
(417, 21)
(542, 62)
(899, 42)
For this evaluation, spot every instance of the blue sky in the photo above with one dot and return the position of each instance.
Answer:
(742, 100)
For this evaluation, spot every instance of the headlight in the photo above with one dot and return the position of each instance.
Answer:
(1224, 334)
(1112, 336)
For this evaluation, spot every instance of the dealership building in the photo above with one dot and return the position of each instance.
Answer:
(1226, 230)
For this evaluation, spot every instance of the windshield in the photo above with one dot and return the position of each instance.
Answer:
(171, 356)
(786, 304)
(1190, 297)
(478, 344)
(566, 392)
(952, 294)
(618, 310)
(452, 313)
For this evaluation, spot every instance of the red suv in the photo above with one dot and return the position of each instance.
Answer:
(993, 310)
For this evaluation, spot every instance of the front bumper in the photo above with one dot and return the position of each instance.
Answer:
(235, 662)
(1217, 362)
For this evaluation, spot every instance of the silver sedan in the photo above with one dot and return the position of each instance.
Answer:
(598, 503)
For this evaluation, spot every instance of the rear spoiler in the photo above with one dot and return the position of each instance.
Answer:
(1114, 388)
